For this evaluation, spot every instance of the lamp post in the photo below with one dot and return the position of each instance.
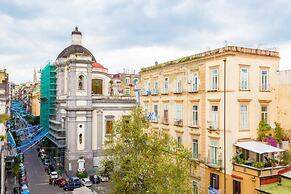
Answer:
(224, 122)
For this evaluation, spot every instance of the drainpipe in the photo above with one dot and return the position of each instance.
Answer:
(224, 122)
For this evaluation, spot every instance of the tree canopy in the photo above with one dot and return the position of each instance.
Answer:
(146, 161)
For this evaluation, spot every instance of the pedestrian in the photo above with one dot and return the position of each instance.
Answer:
(55, 182)
(50, 181)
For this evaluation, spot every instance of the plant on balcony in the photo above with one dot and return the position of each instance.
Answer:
(258, 164)
(278, 133)
(271, 141)
(239, 159)
(82, 174)
(263, 130)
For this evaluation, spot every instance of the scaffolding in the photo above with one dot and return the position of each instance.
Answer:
(48, 94)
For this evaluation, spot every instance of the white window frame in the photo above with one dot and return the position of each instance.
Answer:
(195, 81)
(195, 188)
(264, 80)
(244, 117)
(195, 150)
(156, 86)
(264, 113)
(195, 115)
(214, 152)
(166, 85)
(214, 117)
(179, 87)
(214, 79)
(179, 113)
(156, 111)
(244, 78)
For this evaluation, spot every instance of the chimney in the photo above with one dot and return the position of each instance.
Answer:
(76, 37)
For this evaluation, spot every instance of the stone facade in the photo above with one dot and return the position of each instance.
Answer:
(84, 105)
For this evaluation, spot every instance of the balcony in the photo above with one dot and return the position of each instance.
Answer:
(213, 163)
(165, 120)
(178, 91)
(146, 92)
(178, 122)
(257, 159)
(155, 92)
(165, 91)
(265, 88)
(193, 89)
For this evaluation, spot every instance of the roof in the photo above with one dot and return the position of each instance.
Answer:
(74, 49)
(258, 147)
(98, 65)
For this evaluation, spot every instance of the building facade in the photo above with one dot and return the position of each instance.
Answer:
(85, 106)
(187, 98)
(4, 92)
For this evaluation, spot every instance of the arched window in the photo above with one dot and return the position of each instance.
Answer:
(81, 82)
(80, 138)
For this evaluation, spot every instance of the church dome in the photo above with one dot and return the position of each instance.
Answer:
(76, 47)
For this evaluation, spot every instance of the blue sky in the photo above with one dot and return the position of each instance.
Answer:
(136, 33)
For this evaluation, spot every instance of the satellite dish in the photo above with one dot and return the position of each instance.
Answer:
(273, 125)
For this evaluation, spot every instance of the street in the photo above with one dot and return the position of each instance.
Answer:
(37, 177)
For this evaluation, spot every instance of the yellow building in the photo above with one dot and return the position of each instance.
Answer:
(284, 100)
(187, 97)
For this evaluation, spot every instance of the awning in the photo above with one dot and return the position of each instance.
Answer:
(258, 147)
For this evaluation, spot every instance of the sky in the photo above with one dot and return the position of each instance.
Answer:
(130, 34)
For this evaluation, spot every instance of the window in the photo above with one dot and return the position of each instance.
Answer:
(146, 109)
(156, 86)
(194, 82)
(264, 113)
(264, 80)
(195, 148)
(135, 81)
(156, 111)
(127, 91)
(80, 138)
(214, 152)
(166, 85)
(244, 117)
(214, 79)
(214, 181)
(179, 112)
(127, 80)
(236, 187)
(97, 86)
(179, 85)
(195, 188)
(195, 115)
(109, 126)
(81, 82)
(214, 117)
(166, 114)
(179, 140)
(244, 85)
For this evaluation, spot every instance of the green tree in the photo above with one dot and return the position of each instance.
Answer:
(278, 133)
(146, 161)
(263, 130)
(4, 118)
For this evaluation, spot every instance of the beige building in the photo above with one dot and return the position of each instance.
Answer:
(284, 100)
(187, 97)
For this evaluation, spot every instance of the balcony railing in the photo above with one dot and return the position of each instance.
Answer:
(165, 91)
(146, 92)
(178, 91)
(165, 120)
(178, 122)
(214, 163)
(155, 92)
(259, 172)
(211, 190)
(264, 87)
(193, 89)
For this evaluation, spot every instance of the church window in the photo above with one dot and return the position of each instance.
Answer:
(109, 126)
(80, 138)
(97, 86)
(81, 82)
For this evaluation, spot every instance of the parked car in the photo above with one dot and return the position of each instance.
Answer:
(61, 181)
(95, 179)
(104, 178)
(72, 185)
(46, 161)
(75, 180)
(50, 169)
(54, 175)
(86, 182)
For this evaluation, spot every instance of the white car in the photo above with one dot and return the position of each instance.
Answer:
(86, 182)
(54, 175)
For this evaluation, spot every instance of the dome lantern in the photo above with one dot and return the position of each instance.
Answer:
(76, 37)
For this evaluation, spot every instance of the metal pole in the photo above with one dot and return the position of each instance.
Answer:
(224, 123)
